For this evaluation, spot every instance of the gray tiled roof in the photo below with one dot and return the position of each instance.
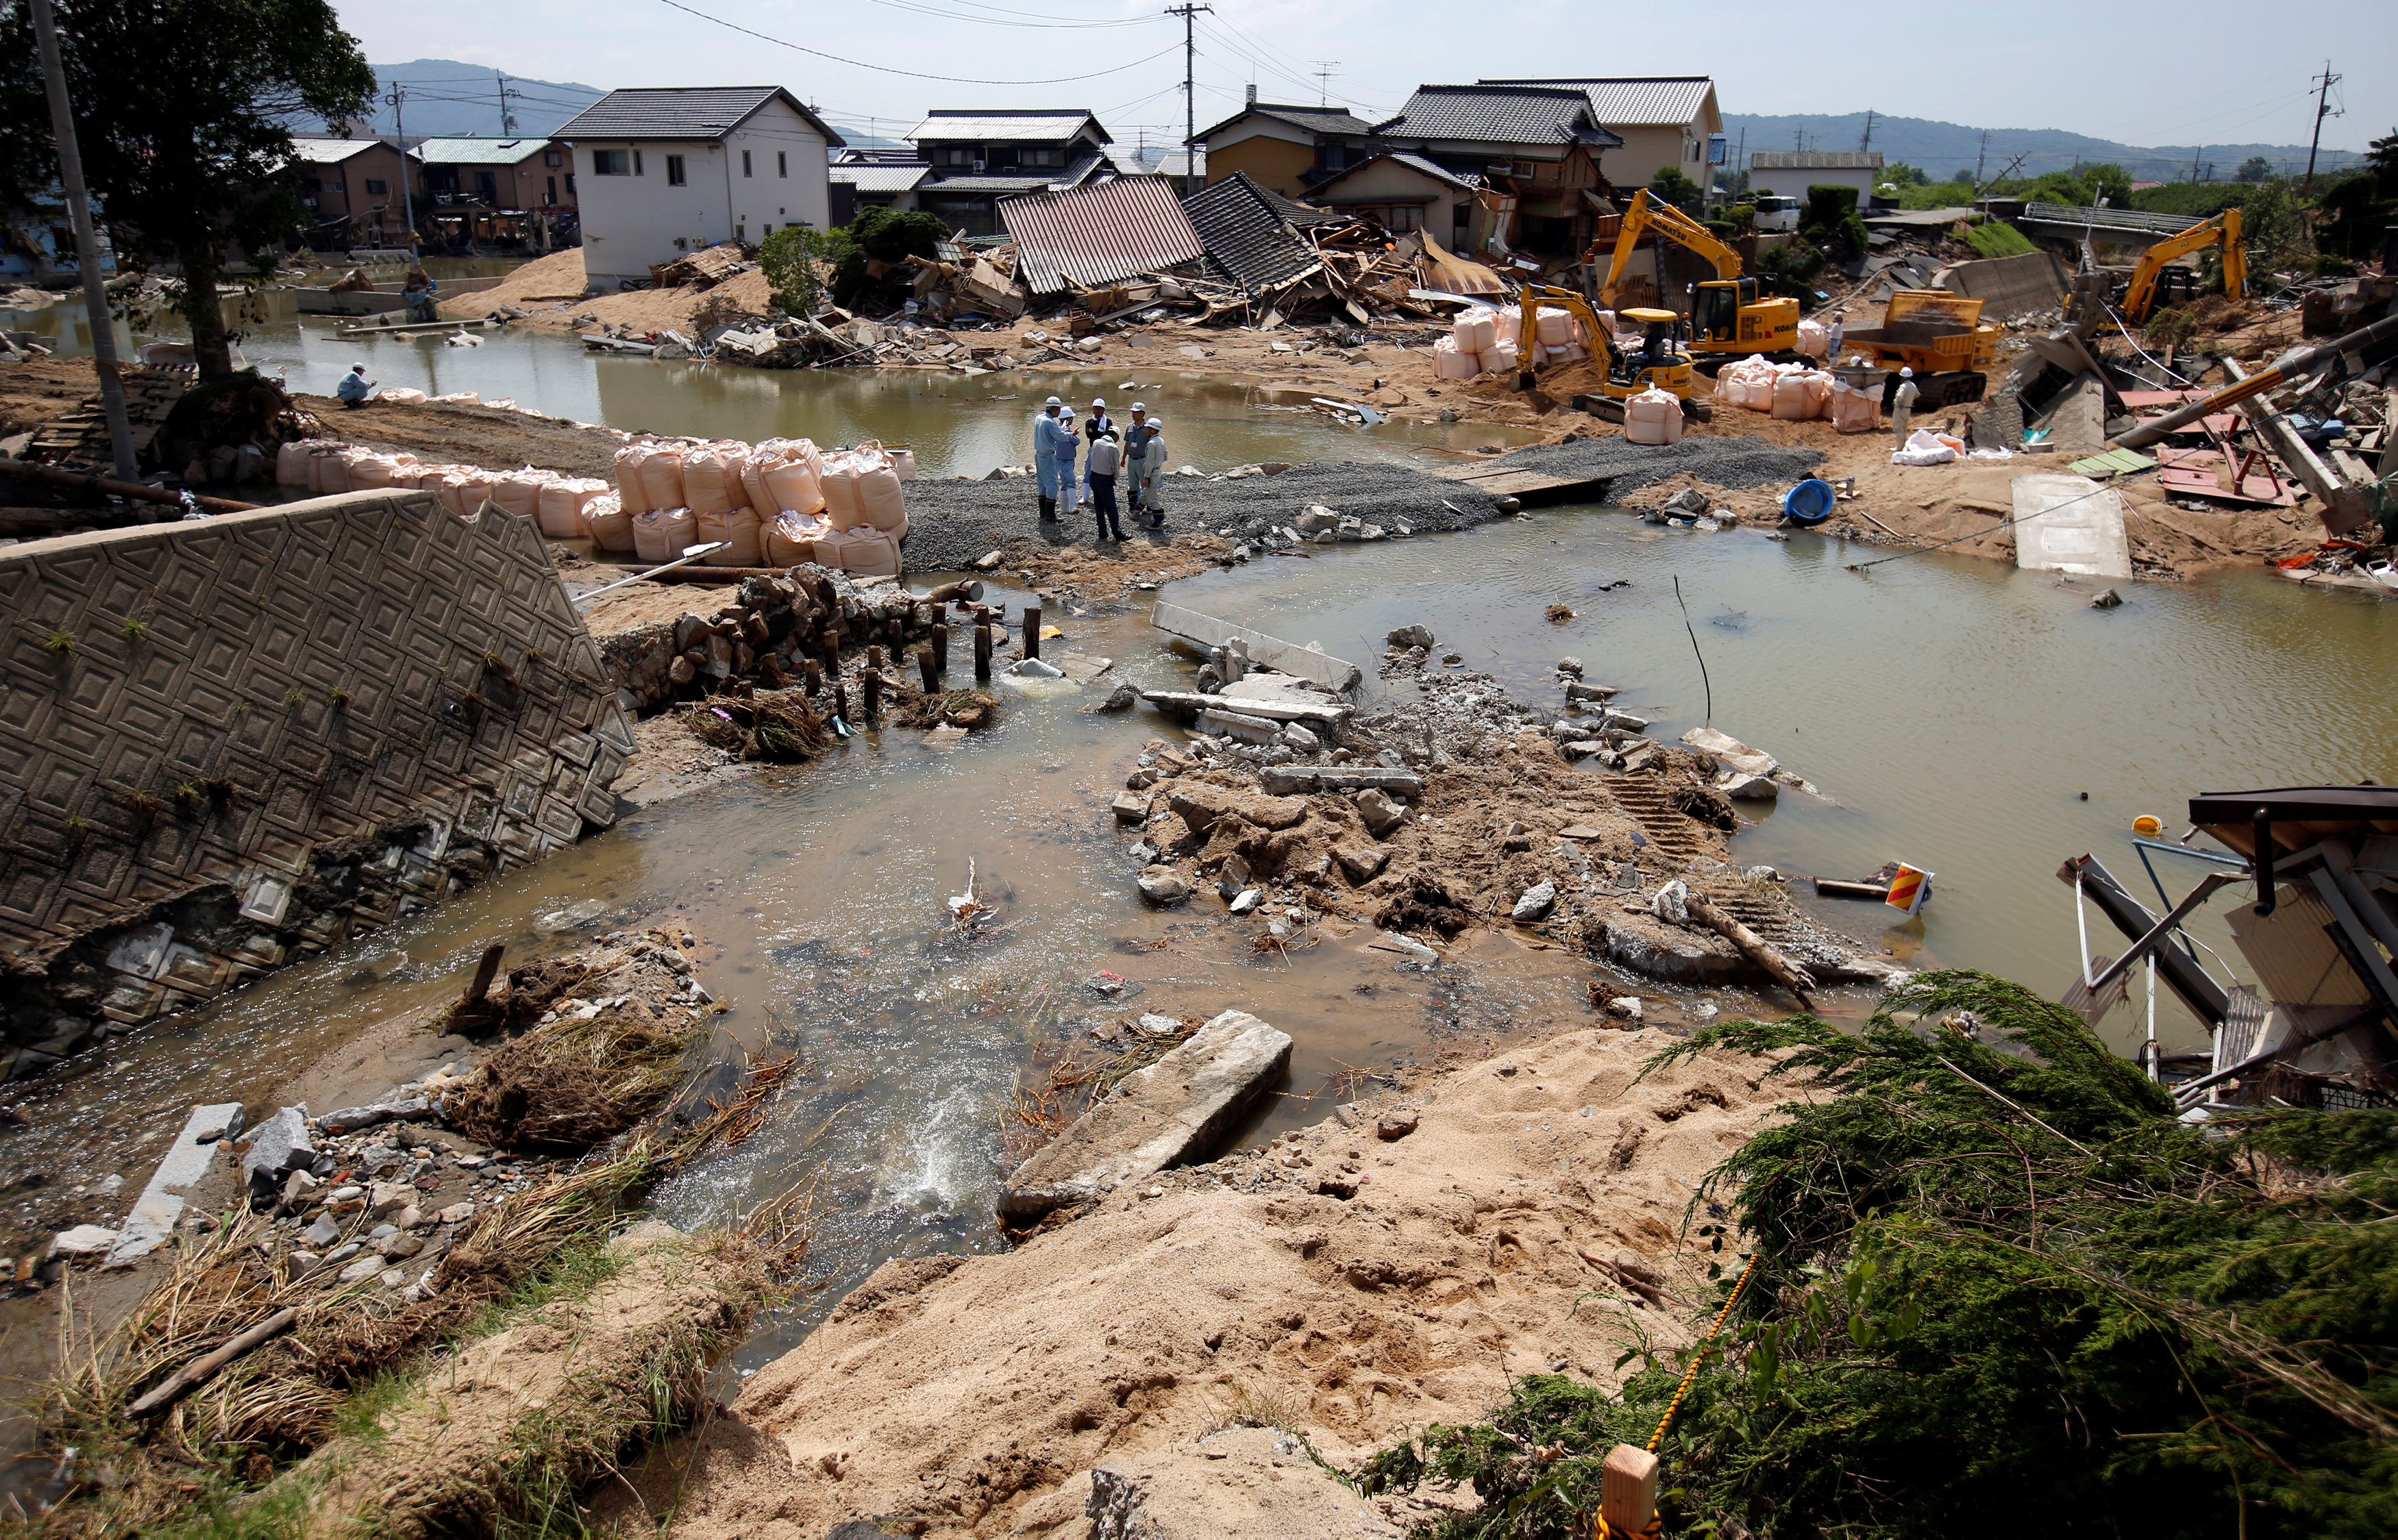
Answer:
(690, 113)
(1315, 120)
(1245, 232)
(1815, 160)
(1499, 114)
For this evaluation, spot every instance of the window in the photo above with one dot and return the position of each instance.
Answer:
(744, 162)
(553, 158)
(1031, 158)
(570, 184)
(674, 171)
(377, 185)
(552, 196)
(611, 163)
(741, 233)
(782, 162)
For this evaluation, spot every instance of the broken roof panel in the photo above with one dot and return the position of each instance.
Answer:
(1092, 235)
(695, 113)
(1040, 126)
(1246, 234)
(1501, 114)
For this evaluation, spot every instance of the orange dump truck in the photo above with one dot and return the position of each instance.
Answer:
(1938, 335)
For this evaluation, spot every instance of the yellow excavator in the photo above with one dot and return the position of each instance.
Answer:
(1728, 317)
(1663, 361)
(2223, 230)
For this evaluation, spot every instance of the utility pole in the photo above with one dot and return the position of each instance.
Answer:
(95, 293)
(507, 119)
(399, 99)
(1979, 156)
(2322, 111)
(2195, 151)
(1865, 143)
(1189, 91)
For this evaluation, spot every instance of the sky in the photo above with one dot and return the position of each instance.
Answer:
(2201, 70)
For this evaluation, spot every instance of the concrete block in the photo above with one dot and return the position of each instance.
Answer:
(186, 1163)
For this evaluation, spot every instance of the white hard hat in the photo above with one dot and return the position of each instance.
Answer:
(357, 368)
(1906, 374)
(1096, 402)
(1053, 401)
(1157, 421)
(1138, 407)
(1067, 411)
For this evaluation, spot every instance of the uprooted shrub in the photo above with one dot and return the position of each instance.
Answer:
(1999, 1290)
(569, 1084)
(777, 726)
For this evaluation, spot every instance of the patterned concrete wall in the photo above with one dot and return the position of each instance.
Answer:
(224, 738)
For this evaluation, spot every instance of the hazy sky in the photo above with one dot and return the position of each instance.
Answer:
(2191, 71)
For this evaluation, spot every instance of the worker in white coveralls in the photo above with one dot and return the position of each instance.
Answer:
(1152, 467)
(1047, 428)
(1070, 491)
(1902, 405)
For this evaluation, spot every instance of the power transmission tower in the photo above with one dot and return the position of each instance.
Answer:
(1189, 92)
(95, 291)
(2322, 111)
(1865, 143)
(399, 99)
(507, 119)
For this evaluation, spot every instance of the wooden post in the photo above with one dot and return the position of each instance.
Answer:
(956, 592)
(814, 675)
(982, 652)
(1033, 631)
(1627, 1489)
(926, 667)
(832, 653)
(874, 657)
(485, 971)
(941, 646)
(1788, 974)
(841, 699)
(871, 683)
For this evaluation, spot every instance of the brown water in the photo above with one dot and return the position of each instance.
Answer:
(1952, 711)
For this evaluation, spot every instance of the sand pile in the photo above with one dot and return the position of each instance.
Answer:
(1526, 1214)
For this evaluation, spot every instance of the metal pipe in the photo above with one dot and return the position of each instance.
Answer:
(2290, 366)
(51, 475)
(690, 555)
(2157, 932)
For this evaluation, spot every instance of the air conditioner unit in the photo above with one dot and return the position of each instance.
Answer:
(978, 166)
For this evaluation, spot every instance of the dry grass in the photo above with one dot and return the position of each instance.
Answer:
(1039, 1112)
(776, 726)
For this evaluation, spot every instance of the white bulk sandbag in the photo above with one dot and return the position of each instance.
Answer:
(329, 471)
(753, 475)
(1926, 448)
(882, 503)
(792, 539)
(708, 484)
(460, 398)
(626, 470)
(1801, 395)
(518, 492)
(1499, 359)
(1475, 331)
(1510, 321)
(291, 462)
(561, 504)
(794, 484)
(662, 478)
(1854, 410)
(1814, 339)
(1556, 328)
(738, 529)
(840, 485)
(1652, 417)
(400, 396)
(370, 472)
(868, 553)
(1451, 362)
(661, 533)
(452, 491)
(903, 463)
(609, 526)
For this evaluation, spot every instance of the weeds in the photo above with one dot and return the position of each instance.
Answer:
(134, 629)
(339, 698)
(75, 827)
(294, 698)
(60, 644)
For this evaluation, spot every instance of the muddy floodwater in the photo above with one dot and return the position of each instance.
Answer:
(1953, 711)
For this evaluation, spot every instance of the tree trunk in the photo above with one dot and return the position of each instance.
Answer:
(211, 345)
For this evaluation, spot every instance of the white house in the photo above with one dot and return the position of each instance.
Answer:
(667, 171)
(1790, 172)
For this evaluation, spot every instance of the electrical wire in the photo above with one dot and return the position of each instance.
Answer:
(1220, 19)
(1058, 23)
(1860, 567)
(912, 74)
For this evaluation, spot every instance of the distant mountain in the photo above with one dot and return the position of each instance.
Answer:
(444, 96)
(1940, 149)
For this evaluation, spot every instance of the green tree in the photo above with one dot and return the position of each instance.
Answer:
(795, 260)
(2254, 169)
(884, 238)
(1676, 189)
(183, 111)
(1905, 174)
(1963, 175)
(1830, 221)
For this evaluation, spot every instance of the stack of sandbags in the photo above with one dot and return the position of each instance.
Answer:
(1451, 362)
(1560, 339)
(1499, 358)
(1801, 395)
(518, 492)
(660, 534)
(862, 488)
(291, 460)
(563, 504)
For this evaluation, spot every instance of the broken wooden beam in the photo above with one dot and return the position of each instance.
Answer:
(188, 1378)
(134, 492)
(1781, 970)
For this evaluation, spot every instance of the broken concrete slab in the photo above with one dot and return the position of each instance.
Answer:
(185, 1165)
(1286, 780)
(416, 1109)
(277, 1145)
(1234, 723)
(2069, 524)
(1171, 1113)
(1730, 752)
(1273, 651)
(1200, 803)
(1190, 702)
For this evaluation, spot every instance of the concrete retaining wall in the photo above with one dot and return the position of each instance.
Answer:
(2009, 287)
(226, 739)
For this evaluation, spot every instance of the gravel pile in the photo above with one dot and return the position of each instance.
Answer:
(1730, 463)
(951, 523)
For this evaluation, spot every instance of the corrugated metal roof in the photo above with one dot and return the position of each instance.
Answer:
(1499, 114)
(699, 112)
(1097, 235)
(1246, 233)
(468, 150)
(878, 178)
(328, 151)
(1815, 160)
(1045, 126)
(1636, 101)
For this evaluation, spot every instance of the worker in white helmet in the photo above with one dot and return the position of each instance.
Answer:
(1902, 405)
(1152, 434)
(1047, 428)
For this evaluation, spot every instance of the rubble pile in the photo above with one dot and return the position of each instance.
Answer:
(1464, 809)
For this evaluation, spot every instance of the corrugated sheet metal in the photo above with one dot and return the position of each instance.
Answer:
(1636, 101)
(1094, 235)
(878, 178)
(1815, 160)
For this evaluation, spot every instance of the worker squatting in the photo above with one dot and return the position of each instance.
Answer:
(1135, 453)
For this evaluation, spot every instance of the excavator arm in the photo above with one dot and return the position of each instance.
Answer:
(2221, 230)
(1649, 212)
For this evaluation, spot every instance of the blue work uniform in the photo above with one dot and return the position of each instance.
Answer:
(1046, 433)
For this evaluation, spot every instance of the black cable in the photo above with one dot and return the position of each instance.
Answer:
(1694, 648)
(914, 75)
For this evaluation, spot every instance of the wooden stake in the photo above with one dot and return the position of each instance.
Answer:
(1033, 631)
(924, 667)
(940, 646)
(871, 683)
(485, 971)
(874, 657)
(840, 701)
(814, 675)
(1627, 1489)
(982, 652)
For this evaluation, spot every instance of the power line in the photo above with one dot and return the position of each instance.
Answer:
(1059, 23)
(912, 74)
